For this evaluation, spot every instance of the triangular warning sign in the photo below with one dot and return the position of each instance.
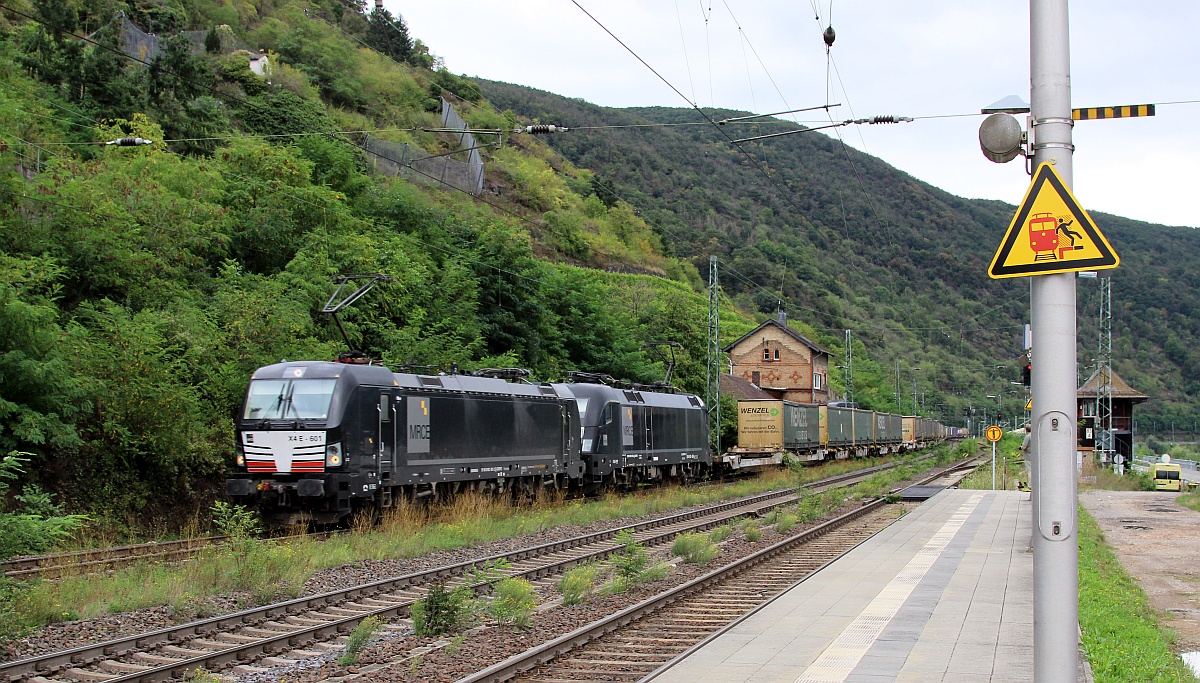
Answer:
(1051, 233)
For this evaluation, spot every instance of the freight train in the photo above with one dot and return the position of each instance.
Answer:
(319, 441)
(773, 432)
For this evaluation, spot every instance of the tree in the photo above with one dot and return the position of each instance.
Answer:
(212, 42)
(36, 527)
(389, 35)
(111, 86)
(40, 394)
(50, 54)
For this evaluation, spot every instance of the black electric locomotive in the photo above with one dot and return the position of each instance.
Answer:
(317, 441)
(632, 436)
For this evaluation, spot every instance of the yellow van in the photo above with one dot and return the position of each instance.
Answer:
(1166, 477)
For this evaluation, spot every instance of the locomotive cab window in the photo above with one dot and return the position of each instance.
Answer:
(289, 399)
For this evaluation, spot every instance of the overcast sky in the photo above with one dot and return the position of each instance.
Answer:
(928, 58)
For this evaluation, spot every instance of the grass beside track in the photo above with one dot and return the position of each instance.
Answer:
(260, 572)
(1189, 500)
(1121, 634)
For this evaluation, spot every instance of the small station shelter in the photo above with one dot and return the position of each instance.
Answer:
(1124, 397)
(782, 362)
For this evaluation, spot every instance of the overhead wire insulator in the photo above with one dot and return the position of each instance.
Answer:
(889, 119)
(129, 142)
(543, 129)
(829, 36)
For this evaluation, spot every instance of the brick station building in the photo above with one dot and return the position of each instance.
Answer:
(782, 362)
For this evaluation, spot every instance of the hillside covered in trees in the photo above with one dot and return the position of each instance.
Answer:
(142, 284)
(847, 242)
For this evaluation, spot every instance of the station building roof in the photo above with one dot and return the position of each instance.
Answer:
(1120, 388)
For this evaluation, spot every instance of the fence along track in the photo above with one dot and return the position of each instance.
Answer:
(635, 642)
(243, 636)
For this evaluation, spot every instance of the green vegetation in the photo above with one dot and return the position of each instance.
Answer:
(751, 531)
(142, 285)
(358, 639)
(443, 611)
(1121, 635)
(201, 676)
(39, 522)
(577, 584)
(721, 533)
(512, 602)
(632, 566)
(1107, 480)
(848, 242)
(278, 569)
(785, 522)
(694, 547)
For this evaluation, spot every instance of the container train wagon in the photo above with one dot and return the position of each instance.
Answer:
(770, 431)
(318, 441)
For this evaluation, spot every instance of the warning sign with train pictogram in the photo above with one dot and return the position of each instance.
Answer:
(1051, 233)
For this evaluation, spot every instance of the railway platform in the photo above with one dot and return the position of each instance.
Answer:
(943, 594)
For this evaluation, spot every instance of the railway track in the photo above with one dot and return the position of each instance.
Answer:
(633, 643)
(90, 561)
(290, 626)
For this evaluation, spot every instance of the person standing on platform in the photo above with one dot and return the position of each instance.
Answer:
(1025, 453)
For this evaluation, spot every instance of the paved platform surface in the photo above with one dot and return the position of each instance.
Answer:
(943, 594)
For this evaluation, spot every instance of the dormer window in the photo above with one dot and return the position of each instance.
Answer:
(766, 354)
(776, 354)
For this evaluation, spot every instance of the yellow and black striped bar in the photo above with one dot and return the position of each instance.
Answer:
(1113, 112)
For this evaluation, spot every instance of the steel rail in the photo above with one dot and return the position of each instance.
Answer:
(33, 565)
(549, 651)
(53, 565)
(89, 654)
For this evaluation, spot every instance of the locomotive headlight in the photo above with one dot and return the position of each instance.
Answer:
(333, 455)
(240, 458)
